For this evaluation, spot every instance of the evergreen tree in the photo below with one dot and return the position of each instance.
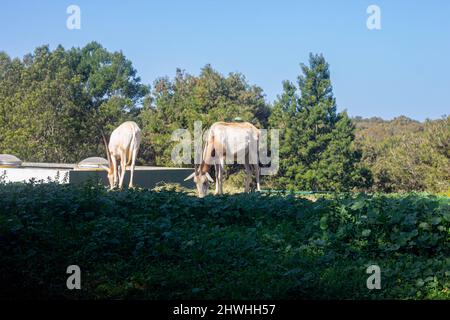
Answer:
(316, 147)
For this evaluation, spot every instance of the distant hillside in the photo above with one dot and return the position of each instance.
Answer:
(404, 154)
(379, 129)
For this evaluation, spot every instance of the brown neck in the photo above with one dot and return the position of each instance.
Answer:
(207, 155)
(204, 167)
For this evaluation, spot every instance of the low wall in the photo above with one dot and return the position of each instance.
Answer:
(26, 174)
(145, 177)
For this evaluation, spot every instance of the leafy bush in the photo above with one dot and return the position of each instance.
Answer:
(140, 244)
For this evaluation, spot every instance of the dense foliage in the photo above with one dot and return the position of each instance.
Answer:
(405, 155)
(170, 245)
(208, 98)
(53, 104)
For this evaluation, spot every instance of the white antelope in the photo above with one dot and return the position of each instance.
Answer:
(124, 146)
(225, 141)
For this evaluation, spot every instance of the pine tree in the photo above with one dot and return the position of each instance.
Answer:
(316, 147)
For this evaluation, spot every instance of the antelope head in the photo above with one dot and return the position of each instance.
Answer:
(201, 180)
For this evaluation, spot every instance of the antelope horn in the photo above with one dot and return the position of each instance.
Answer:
(209, 177)
(107, 150)
(190, 176)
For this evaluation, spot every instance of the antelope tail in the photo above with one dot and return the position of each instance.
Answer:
(130, 150)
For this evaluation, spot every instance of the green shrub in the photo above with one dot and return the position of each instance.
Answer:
(140, 244)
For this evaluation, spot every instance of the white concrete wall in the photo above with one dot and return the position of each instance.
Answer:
(145, 177)
(25, 174)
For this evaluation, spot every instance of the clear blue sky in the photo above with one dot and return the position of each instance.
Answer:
(403, 68)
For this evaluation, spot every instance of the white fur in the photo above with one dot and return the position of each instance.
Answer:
(123, 146)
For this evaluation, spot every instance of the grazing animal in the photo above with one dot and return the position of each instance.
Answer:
(225, 141)
(123, 146)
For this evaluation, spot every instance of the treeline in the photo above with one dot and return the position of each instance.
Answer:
(404, 154)
(54, 104)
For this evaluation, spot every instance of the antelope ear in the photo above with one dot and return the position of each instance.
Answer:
(190, 177)
(209, 177)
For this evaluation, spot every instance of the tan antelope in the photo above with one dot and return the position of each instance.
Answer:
(224, 142)
(123, 146)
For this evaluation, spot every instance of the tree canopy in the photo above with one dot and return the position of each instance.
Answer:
(406, 155)
(54, 104)
(208, 97)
